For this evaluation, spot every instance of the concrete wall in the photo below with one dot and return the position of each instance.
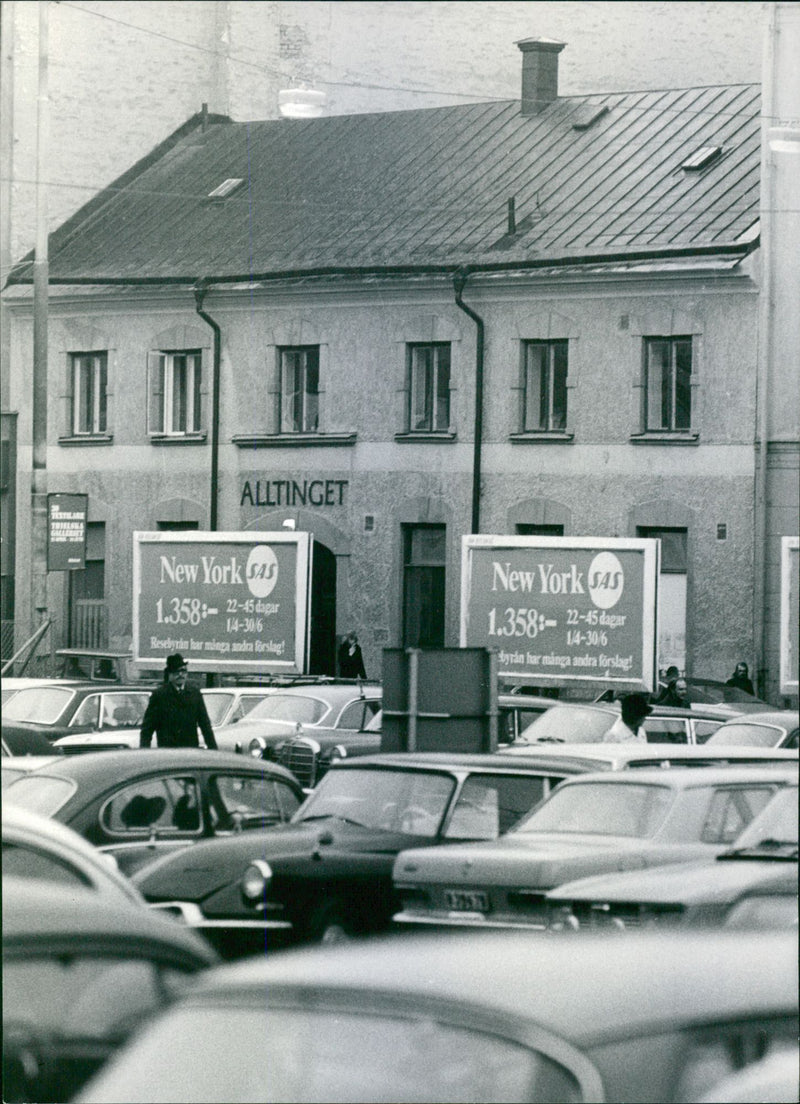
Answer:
(601, 482)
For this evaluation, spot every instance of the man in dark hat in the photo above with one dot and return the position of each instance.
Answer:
(176, 710)
(628, 726)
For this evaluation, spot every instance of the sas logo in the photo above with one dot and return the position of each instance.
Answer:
(606, 580)
(261, 572)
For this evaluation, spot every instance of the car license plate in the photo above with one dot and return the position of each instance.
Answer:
(463, 901)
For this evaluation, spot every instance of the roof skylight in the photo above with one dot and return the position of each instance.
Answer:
(703, 157)
(226, 187)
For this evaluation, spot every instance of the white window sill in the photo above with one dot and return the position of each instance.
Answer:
(664, 438)
(177, 438)
(418, 436)
(87, 439)
(542, 437)
(292, 440)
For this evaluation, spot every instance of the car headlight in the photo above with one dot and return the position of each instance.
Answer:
(257, 747)
(255, 881)
(338, 751)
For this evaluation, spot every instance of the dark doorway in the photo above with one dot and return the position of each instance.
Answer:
(322, 650)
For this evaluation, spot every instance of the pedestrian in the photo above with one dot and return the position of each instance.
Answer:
(628, 726)
(351, 661)
(676, 694)
(741, 679)
(670, 679)
(176, 711)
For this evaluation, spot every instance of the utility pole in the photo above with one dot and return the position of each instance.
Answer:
(41, 275)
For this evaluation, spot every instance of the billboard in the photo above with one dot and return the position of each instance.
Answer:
(235, 602)
(790, 606)
(563, 610)
(66, 531)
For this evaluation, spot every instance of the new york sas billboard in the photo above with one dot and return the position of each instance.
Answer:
(226, 601)
(563, 610)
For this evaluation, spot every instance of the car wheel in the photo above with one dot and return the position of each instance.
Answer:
(331, 925)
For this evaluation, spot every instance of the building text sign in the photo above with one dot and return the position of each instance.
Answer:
(563, 610)
(790, 611)
(66, 531)
(226, 601)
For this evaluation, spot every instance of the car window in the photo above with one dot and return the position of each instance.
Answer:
(318, 1054)
(248, 702)
(489, 805)
(24, 861)
(716, 1051)
(665, 730)
(731, 810)
(217, 706)
(43, 794)
(122, 710)
(355, 715)
(793, 739)
(412, 802)
(570, 724)
(168, 803)
(778, 821)
(38, 704)
(286, 707)
(607, 810)
(87, 713)
(245, 799)
(703, 729)
(745, 734)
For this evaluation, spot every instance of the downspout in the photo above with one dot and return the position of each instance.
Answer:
(459, 280)
(199, 295)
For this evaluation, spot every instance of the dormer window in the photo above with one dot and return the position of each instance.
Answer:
(702, 158)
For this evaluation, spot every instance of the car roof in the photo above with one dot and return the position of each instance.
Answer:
(564, 984)
(332, 691)
(633, 751)
(685, 778)
(786, 718)
(118, 766)
(440, 760)
(39, 913)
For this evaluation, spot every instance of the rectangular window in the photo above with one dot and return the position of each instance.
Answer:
(300, 389)
(429, 392)
(545, 386)
(672, 592)
(423, 586)
(89, 386)
(668, 372)
(175, 379)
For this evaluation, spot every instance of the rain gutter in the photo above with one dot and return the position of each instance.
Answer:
(459, 280)
(200, 289)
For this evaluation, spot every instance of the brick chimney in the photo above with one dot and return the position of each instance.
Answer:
(539, 73)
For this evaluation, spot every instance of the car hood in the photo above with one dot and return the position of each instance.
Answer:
(204, 868)
(548, 860)
(245, 730)
(681, 883)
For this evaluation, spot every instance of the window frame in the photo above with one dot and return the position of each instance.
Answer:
(162, 394)
(308, 366)
(95, 365)
(548, 385)
(672, 371)
(416, 568)
(436, 386)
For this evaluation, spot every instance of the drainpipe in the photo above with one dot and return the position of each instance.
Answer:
(199, 295)
(459, 280)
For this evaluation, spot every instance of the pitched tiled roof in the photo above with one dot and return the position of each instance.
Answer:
(430, 188)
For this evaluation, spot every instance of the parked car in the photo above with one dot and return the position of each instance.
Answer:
(702, 691)
(622, 820)
(570, 723)
(79, 974)
(38, 847)
(341, 709)
(225, 705)
(777, 728)
(70, 708)
(327, 874)
(754, 882)
(497, 1018)
(141, 805)
(9, 686)
(99, 665)
(517, 711)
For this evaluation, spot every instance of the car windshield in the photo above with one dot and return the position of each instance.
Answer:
(594, 808)
(289, 707)
(746, 734)
(412, 802)
(777, 823)
(38, 704)
(43, 794)
(217, 705)
(570, 725)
